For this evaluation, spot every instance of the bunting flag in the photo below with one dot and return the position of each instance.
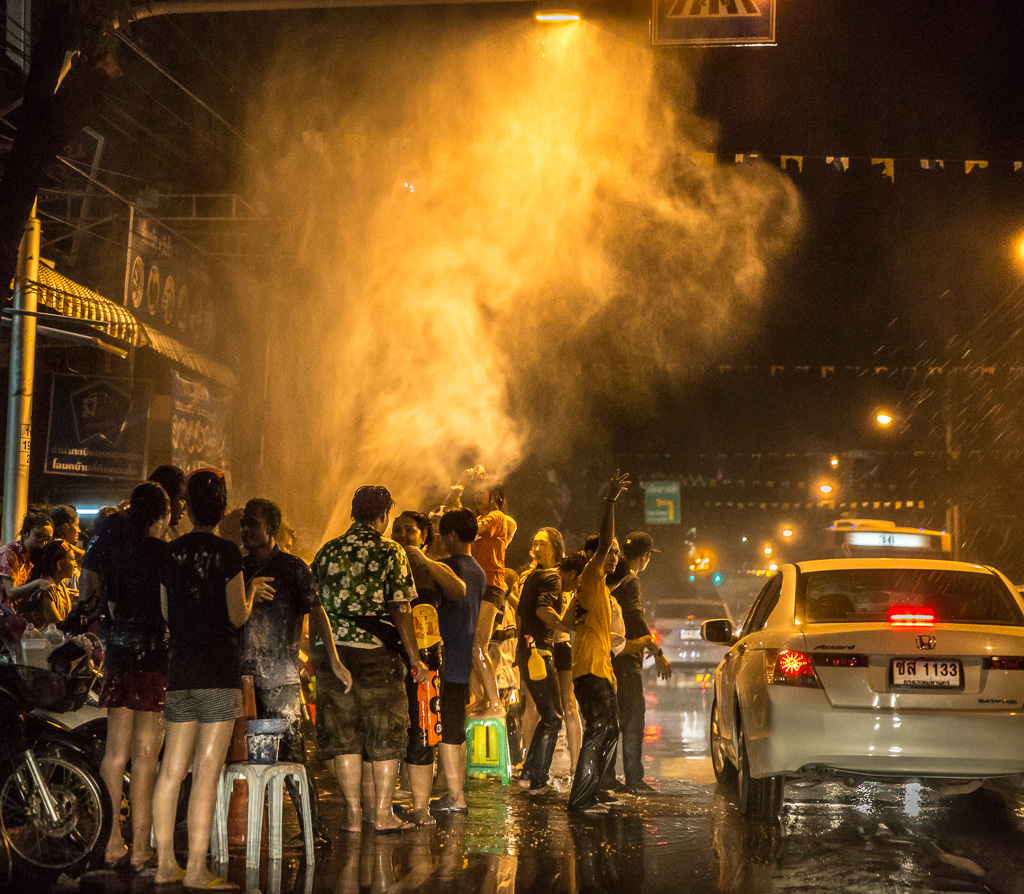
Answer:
(887, 165)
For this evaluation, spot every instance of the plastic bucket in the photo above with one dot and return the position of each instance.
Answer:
(274, 726)
(264, 738)
(262, 747)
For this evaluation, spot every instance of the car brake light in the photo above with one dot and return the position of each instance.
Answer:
(793, 669)
(1014, 663)
(911, 616)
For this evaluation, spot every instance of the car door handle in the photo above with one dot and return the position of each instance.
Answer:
(741, 648)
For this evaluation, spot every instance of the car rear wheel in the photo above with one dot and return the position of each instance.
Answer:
(758, 798)
(725, 772)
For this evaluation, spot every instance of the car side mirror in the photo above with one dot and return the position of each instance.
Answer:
(718, 631)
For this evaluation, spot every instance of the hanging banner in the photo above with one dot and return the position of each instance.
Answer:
(199, 423)
(98, 427)
(714, 22)
(166, 283)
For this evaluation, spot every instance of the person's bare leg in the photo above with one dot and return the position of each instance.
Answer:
(482, 661)
(571, 719)
(212, 741)
(120, 722)
(453, 761)
(348, 768)
(421, 780)
(178, 749)
(384, 775)
(146, 741)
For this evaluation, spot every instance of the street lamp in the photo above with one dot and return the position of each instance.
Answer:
(883, 418)
(547, 12)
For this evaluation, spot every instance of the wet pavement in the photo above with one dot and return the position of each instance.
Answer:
(688, 836)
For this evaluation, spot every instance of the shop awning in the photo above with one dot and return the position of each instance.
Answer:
(69, 299)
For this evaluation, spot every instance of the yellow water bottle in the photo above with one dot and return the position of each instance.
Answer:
(535, 665)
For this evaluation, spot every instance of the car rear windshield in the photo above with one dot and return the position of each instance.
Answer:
(681, 609)
(865, 595)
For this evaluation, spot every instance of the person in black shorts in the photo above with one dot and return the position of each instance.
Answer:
(205, 602)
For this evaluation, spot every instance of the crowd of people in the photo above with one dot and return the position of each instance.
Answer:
(184, 614)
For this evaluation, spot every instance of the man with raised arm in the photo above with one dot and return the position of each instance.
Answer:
(593, 677)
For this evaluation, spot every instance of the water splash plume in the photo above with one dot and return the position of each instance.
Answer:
(505, 241)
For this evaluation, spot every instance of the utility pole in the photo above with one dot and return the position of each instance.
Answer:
(22, 375)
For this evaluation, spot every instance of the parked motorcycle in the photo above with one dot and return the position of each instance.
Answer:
(55, 813)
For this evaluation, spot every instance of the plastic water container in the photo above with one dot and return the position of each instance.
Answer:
(35, 648)
(263, 738)
(54, 636)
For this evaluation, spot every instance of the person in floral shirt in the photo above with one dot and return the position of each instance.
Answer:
(16, 588)
(364, 623)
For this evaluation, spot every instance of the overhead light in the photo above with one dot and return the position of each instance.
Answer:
(547, 12)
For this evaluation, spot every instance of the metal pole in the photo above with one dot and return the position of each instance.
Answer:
(22, 376)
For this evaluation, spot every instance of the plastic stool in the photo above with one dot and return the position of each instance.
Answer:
(261, 778)
(487, 748)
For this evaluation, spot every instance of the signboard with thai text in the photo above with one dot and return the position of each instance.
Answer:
(199, 420)
(98, 426)
(713, 22)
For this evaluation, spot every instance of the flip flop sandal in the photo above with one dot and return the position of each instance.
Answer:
(403, 827)
(445, 805)
(215, 884)
(170, 883)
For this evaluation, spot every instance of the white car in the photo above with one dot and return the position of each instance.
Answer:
(894, 670)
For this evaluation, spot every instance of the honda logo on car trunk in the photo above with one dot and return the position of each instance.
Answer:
(925, 641)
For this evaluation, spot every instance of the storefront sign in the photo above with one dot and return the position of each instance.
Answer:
(98, 426)
(198, 425)
(166, 284)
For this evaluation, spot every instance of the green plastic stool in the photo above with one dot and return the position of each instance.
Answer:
(487, 748)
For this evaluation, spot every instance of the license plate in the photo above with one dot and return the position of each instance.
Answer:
(686, 633)
(926, 673)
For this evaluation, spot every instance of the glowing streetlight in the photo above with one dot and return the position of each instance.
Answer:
(826, 488)
(767, 550)
(883, 417)
(546, 13)
(787, 532)
(773, 567)
(834, 461)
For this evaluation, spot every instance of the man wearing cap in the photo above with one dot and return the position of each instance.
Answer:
(628, 665)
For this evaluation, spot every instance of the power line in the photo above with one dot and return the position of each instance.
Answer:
(143, 55)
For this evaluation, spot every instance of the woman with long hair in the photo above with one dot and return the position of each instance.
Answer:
(127, 555)
(55, 564)
(539, 605)
(205, 601)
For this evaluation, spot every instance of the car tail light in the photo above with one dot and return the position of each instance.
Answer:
(1013, 663)
(911, 616)
(839, 659)
(793, 669)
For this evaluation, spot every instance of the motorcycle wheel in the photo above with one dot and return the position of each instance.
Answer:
(84, 815)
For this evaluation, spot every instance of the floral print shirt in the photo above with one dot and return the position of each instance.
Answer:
(360, 573)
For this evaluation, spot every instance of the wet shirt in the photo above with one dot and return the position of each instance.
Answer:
(270, 638)
(15, 564)
(358, 575)
(592, 650)
(627, 595)
(494, 532)
(137, 637)
(203, 641)
(457, 618)
(541, 589)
